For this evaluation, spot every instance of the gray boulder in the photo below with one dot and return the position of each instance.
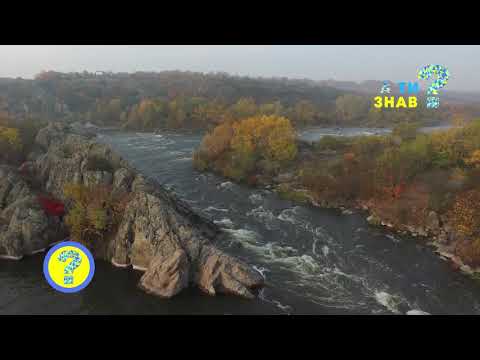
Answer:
(219, 273)
(29, 226)
(433, 222)
(166, 277)
(54, 133)
(91, 178)
(374, 220)
(122, 179)
(26, 232)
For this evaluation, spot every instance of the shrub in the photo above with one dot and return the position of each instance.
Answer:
(287, 193)
(66, 151)
(199, 161)
(469, 251)
(28, 130)
(10, 145)
(335, 143)
(474, 159)
(368, 146)
(406, 131)
(95, 211)
(465, 213)
(215, 144)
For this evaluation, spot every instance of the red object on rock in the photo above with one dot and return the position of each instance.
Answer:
(52, 207)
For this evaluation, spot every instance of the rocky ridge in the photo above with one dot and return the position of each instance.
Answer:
(159, 234)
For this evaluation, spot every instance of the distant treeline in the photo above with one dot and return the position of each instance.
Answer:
(174, 99)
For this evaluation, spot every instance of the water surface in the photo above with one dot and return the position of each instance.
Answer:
(315, 261)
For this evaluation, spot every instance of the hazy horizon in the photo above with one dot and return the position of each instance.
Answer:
(317, 62)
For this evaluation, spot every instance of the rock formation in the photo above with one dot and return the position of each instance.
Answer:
(159, 233)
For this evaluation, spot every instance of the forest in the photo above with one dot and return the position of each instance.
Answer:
(186, 100)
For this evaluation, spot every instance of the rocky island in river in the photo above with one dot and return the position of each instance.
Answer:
(158, 233)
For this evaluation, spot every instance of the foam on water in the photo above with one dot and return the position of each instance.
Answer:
(334, 284)
(213, 208)
(255, 198)
(225, 222)
(288, 215)
(314, 246)
(389, 301)
(186, 158)
(285, 308)
(262, 215)
(304, 264)
(176, 153)
(393, 238)
(261, 271)
(227, 185)
(417, 312)
(243, 235)
(325, 250)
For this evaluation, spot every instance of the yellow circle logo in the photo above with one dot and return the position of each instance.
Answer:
(69, 267)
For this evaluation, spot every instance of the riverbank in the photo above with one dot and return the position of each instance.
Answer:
(430, 233)
(418, 182)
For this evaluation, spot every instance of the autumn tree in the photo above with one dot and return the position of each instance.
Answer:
(10, 144)
(95, 211)
(349, 107)
(237, 149)
(216, 143)
(275, 108)
(243, 108)
(304, 112)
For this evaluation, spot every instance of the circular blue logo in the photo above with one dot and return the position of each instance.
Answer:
(68, 267)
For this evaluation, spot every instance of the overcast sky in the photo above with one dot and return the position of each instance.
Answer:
(318, 62)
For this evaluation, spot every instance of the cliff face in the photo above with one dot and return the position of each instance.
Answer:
(159, 233)
(24, 227)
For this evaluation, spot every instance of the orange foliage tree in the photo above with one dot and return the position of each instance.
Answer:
(235, 149)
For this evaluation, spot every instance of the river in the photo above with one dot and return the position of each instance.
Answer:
(316, 261)
(315, 133)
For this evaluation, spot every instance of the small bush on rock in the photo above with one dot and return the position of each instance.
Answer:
(95, 212)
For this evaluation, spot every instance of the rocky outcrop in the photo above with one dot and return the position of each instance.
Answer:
(24, 227)
(220, 273)
(436, 228)
(159, 233)
(374, 220)
(432, 222)
(167, 276)
(156, 237)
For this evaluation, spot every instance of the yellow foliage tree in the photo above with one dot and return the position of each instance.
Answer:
(10, 144)
(243, 108)
(466, 213)
(95, 212)
(273, 137)
(235, 149)
(474, 159)
(11, 136)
